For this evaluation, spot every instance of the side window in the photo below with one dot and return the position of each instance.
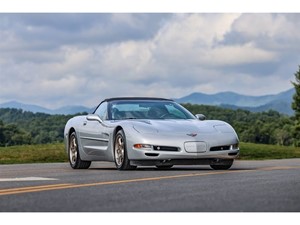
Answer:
(102, 111)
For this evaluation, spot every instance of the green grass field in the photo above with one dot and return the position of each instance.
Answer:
(56, 153)
(33, 154)
(251, 151)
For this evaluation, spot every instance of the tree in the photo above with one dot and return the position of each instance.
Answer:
(2, 138)
(296, 108)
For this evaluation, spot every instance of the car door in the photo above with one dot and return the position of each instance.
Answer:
(94, 135)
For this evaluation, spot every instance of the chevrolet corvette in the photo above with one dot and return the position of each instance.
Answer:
(157, 132)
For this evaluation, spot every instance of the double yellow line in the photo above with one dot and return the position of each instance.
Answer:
(30, 189)
(21, 190)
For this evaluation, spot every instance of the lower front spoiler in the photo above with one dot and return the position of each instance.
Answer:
(208, 161)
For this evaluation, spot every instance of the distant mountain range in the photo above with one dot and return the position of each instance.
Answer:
(280, 102)
(35, 108)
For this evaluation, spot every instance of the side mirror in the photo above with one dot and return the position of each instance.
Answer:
(200, 117)
(94, 117)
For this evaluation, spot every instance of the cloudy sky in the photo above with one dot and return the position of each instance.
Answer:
(78, 59)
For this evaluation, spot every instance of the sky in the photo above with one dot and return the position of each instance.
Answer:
(59, 59)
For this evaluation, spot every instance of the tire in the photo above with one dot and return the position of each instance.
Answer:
(74, 156)
(164, 167)
(224, 165)
(120, 152)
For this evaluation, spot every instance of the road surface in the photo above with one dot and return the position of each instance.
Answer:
(249, 186)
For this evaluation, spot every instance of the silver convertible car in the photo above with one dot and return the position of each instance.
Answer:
(157, 132)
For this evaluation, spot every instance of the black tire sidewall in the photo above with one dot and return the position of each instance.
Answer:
(223, 166)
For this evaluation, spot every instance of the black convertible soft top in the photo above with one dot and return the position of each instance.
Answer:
(136, 98)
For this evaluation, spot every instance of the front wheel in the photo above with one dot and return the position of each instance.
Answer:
(120, 152)
(74, 156)
(223, 165)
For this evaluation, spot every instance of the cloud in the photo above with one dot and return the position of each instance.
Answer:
(65, 59)
(237, 55)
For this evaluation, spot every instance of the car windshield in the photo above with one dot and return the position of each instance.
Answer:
(147, 109)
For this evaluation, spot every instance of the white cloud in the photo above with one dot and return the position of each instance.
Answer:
(118, 56)
(237, 55)
(264, 25)
(191, 30)
(72, 61)
(279, 31)
(197, 40)
(127, 57)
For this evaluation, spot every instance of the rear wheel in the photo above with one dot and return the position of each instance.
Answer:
(223, 165)
(120, 152)
(74, 156)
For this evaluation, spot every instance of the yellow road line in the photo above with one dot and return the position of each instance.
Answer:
(30, 189)
(280, 168)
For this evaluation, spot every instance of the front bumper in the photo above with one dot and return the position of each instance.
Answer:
(182, 149)
(204, 161)
(163, 155)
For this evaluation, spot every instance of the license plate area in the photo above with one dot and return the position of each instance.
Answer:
(195, 146)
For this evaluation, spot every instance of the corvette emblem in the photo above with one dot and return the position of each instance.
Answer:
(192, 134)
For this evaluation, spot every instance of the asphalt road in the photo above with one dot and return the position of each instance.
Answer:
(249, 186)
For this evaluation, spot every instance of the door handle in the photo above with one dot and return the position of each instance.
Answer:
(84, 123)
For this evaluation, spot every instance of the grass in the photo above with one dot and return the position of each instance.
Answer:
(48, 153)
(250, 151)
(44, 153)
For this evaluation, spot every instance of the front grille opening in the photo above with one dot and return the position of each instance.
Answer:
(220, 148)
(233, 153)
(152, 154)
(165, 148)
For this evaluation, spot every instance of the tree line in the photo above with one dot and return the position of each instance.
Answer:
(269, 127)
(19, 127)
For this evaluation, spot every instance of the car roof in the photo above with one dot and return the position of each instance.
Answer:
(136, 98)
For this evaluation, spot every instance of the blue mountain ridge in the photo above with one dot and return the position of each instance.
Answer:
(38, 109)
(279, 102)
(231, 98)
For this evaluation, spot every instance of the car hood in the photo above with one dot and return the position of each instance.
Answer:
(181, 126)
